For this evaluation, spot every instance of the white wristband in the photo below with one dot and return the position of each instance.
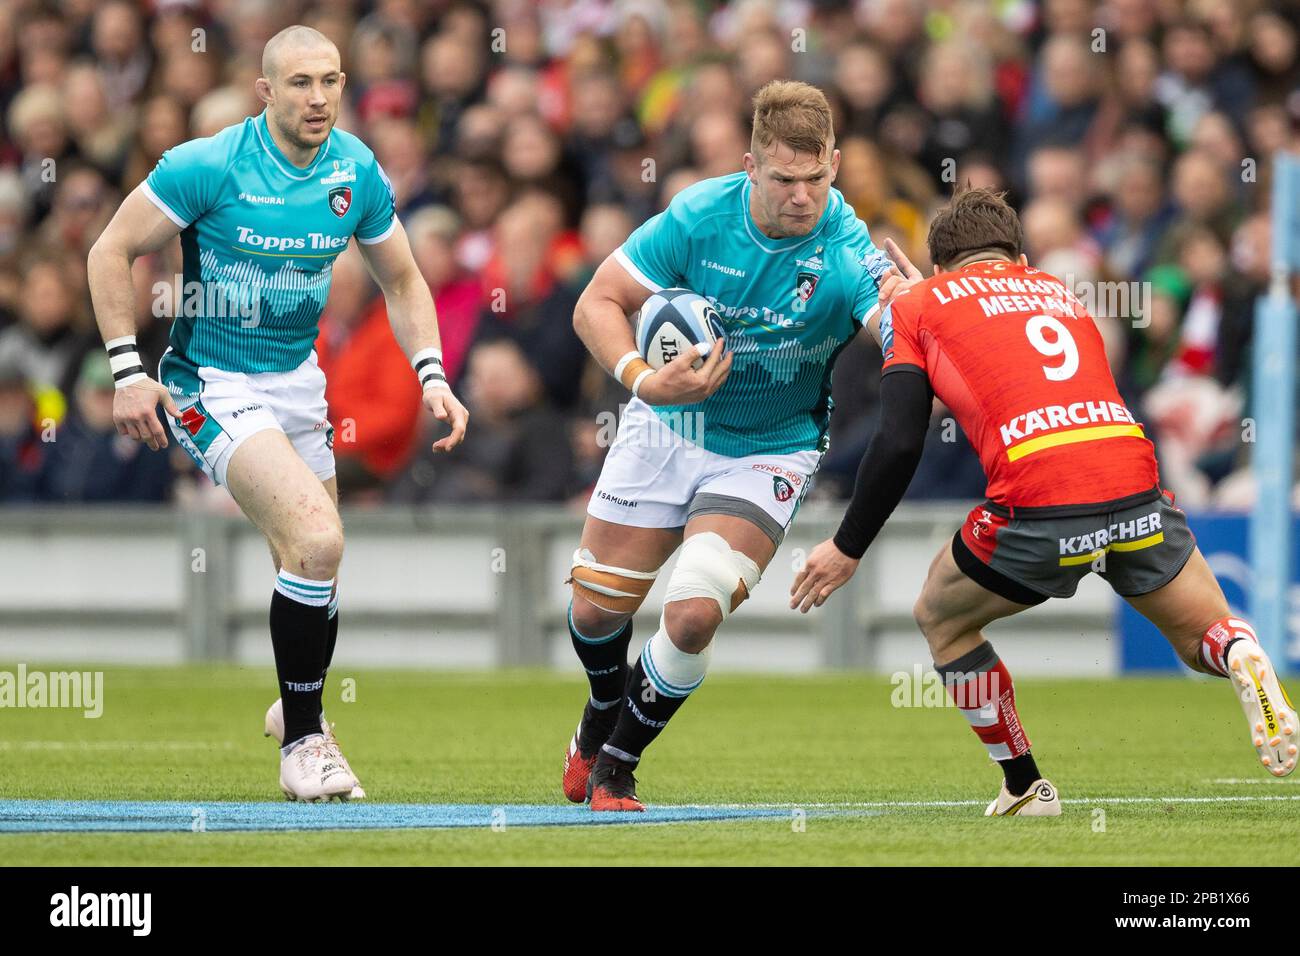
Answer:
(645, 373)
(124, 361)
(622, 363)
(428, 367)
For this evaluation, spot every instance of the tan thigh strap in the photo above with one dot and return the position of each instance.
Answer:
(612, 589)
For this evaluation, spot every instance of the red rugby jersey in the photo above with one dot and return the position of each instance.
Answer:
(1021, 364)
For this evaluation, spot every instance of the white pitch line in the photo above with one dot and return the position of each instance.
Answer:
(1233, 798)
(899, 804)
(113, 745)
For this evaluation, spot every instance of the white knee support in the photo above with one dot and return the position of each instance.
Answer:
(709, 568)
(672, 672)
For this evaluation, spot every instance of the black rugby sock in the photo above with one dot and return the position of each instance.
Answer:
(605, 661)
(299, 632)
(644, 715)
(1020, 773)
(332, 635)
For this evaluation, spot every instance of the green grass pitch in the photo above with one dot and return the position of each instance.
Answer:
(194, 733)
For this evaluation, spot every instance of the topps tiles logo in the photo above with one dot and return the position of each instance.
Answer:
(316, 241)
(75, 909)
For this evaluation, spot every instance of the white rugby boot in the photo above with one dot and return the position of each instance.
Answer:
(275, 728)
(1040, 800)
(1268, 710)
(315, 772)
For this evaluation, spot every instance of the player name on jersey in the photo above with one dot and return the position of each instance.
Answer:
(1010, 295)
(1016, 356)
(961, 286)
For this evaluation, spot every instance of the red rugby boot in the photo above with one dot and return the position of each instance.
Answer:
(580, 757)
(611, 785)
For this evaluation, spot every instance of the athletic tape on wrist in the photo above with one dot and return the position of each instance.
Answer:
(428, 367)
(631, 368)
(636, 385)
(124, 361)
(621, 366)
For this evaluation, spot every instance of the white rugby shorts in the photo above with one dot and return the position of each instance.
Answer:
(220, 410)
(655, 478)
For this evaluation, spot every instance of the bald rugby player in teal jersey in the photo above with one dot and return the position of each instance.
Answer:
(262, 209)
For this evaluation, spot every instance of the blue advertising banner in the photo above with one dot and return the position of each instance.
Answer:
(1224, 540)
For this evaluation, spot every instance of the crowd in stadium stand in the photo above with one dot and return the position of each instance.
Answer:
(525, 140)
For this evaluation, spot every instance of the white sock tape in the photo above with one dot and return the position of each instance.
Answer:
(673, 672)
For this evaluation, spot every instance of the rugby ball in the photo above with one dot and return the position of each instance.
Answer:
(675, 321)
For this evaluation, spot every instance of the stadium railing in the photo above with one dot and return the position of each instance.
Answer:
(464, 587)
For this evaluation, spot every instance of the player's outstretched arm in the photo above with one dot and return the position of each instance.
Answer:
(415, 326)
(883, 476)
(600, 319)
(138, 228)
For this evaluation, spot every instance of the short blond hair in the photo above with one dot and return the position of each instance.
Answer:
(794, 113)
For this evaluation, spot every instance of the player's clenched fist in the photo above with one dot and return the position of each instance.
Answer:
(134, 412)
(679, 384)
(826, 569)
(447, 408)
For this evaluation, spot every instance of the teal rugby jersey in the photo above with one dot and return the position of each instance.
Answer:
(788, 306)
(259, 237)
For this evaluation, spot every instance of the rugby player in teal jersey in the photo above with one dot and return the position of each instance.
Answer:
(262, 210)
(714, 460)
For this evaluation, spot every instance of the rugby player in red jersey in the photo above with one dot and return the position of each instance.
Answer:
(1073, 488)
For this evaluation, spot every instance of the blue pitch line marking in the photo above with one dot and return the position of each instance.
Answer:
(48, 816)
